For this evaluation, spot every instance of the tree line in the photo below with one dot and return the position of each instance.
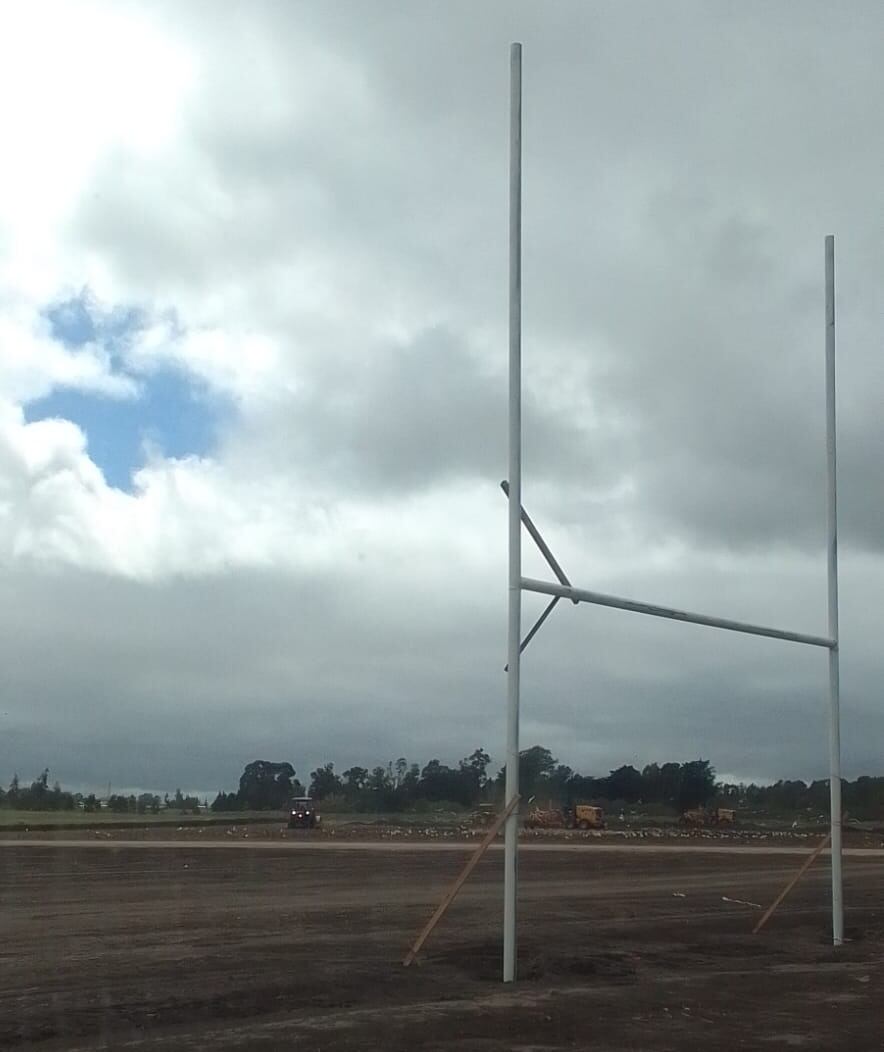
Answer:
(39, 796)
(403, 786)
(862, 798)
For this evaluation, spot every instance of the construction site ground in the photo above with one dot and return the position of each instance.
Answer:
(283, 941)
(430, 828)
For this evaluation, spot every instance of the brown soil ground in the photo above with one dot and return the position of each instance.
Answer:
(178, 947)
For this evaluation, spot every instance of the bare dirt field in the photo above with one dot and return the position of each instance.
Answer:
(151, 946)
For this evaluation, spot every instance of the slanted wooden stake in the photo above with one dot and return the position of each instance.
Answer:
(461, 879)
(808, 862)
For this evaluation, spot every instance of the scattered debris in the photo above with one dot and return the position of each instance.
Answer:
(741, 902)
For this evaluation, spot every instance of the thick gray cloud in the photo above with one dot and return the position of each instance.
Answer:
(415, 416)
(109, 680)
(337, 186)
(681, 170)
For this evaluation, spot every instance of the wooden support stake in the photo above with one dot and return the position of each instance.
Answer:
(461, 879)
(808, 862)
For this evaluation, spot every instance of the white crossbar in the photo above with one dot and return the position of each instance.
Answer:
(581, 595)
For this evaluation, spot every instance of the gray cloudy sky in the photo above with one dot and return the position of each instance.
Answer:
(252, 380)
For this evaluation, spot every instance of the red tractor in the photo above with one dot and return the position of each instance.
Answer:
(303, 813)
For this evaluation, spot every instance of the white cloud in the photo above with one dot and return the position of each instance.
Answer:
(77, 80)
(32, 363)
(242, 365)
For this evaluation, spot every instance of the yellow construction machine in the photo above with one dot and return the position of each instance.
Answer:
(581, 816)
(587, 816)
(698, 817)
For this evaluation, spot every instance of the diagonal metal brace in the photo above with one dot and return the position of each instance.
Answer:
(547, 611)
(553, 565)
(540, 542)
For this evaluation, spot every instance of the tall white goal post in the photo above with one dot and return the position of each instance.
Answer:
(563, 589)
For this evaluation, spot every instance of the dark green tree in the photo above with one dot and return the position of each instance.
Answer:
(268, 786)
(440, 782)
(697, 786)
(225, 802)
(670, 784)
(536, 765)
(354, 780)
(378, 780)
(625, 784)
(147, 803)
(121, 805)
(38, 794)
(474, 771)
(561, 784)
(324, 782)
(652, 792)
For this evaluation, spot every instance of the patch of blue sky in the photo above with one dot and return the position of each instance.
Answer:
(173, 413)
